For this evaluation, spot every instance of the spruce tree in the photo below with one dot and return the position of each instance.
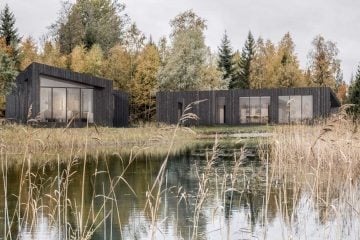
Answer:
(7, 27)
(225, 61)
(242, 80)
(7, 77)
(354, 96)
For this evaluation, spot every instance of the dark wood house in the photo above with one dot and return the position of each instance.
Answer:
(54, 97)
(248, 106)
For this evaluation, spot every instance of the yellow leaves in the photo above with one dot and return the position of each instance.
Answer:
(342, 92)
(78, 59)
(117, 67)
(276, 66)
(145, 79)
(52, 56)
(87, 61)
(29, 53)
(94, 60)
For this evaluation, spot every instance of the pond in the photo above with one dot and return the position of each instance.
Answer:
(226, 195)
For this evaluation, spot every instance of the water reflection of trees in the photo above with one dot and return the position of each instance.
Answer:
(129, 219)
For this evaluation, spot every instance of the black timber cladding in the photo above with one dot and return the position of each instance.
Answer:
(324, 100)
(27, 93)
(121, 108)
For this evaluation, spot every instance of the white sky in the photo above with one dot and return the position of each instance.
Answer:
(336, 20)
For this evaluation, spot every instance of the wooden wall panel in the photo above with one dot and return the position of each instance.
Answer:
(121, 109)
(28, 92)
(167, 103)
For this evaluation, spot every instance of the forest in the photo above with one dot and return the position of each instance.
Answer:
(97, 37)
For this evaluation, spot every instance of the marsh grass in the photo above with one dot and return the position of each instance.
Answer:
(46, 143)
(309, 170)
(320, 163)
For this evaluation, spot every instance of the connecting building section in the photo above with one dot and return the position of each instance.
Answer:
(248, 106)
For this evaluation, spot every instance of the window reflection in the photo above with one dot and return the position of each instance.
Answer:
(221, 110)
(284, 109)
(45, 103)
(63, 101)
(46, 81)
(254, 109)
(87, 105)
(73, 103)
(244, 109)
(59, 104)
(307, 107)
(265, 104)
(295, 108)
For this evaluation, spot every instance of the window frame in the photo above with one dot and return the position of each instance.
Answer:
(248, 109)
(289, 118)
(66, 102)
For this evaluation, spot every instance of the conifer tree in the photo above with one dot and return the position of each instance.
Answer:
(8, 74)
(225, 58)
(247, 55)
(288, 72)
(7, 27)
(9, 33)
(354, 96)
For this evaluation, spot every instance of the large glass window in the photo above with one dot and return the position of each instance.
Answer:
(59, 104)
(295, 108)
(87, 105)
(45, 103)
(254, 109)
(265, 104)
(244, 109)
(284, 109)
(221, 118)
(63, 101)
(307, 107)
(73, 103)
(46, 81)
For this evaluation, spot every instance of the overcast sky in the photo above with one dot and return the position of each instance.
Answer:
(336, 20)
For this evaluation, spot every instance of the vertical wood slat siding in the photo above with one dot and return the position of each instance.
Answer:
(28, 93)
(207, 111)
(121, 109)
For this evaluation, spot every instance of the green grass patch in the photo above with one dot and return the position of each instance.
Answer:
(226, 129)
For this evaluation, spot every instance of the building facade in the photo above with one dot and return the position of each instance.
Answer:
(248, 106)
(55, 97)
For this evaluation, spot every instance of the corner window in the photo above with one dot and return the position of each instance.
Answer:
(62, 101)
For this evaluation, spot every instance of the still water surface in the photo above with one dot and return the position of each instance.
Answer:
(234, 207)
